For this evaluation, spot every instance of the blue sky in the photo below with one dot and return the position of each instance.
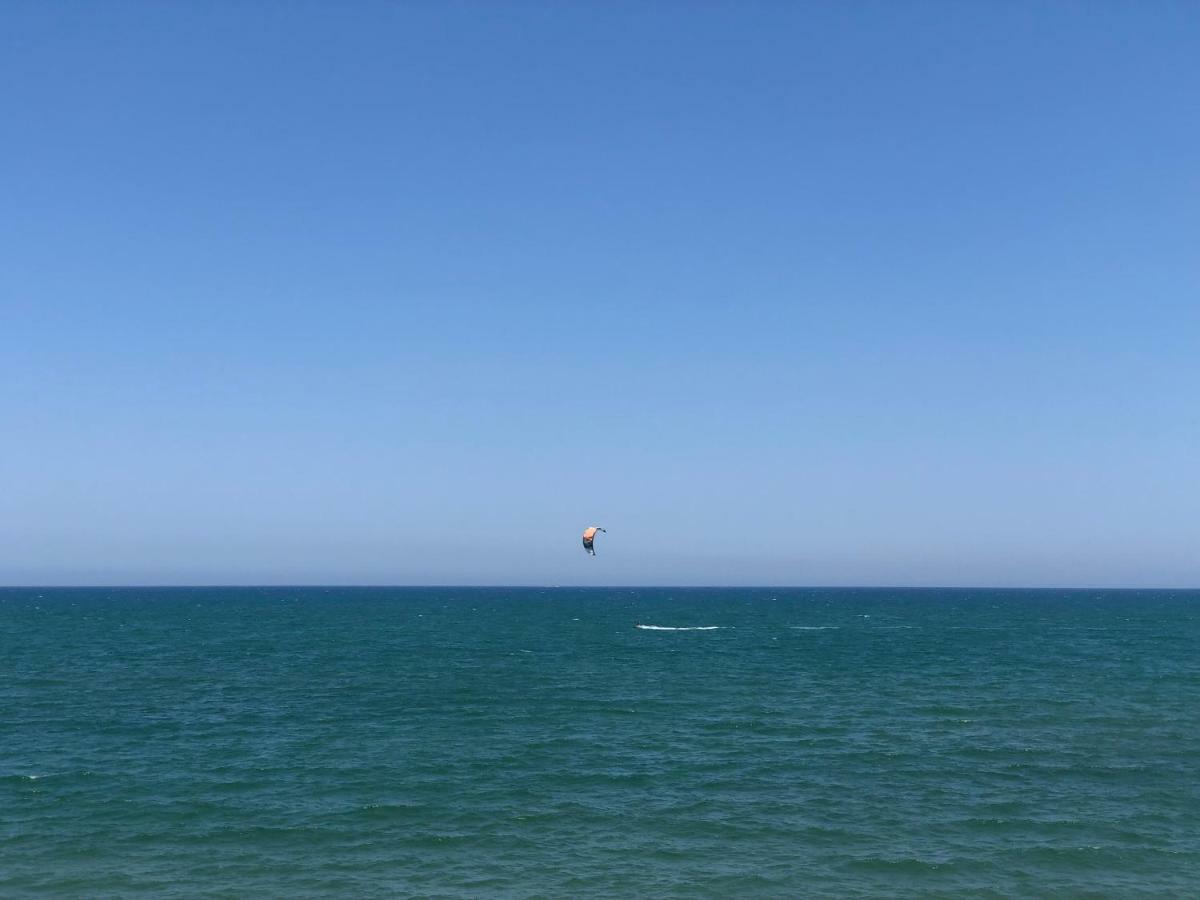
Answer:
(872, 293)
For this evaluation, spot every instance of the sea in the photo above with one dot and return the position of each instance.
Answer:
(553, 742)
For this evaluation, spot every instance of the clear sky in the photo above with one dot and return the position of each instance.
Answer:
(779, 293)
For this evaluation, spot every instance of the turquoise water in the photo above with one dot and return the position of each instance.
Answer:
(516, 742)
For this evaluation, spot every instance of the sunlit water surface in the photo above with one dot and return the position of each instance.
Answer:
(467, 742)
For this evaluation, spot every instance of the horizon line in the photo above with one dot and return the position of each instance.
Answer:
(589, 587)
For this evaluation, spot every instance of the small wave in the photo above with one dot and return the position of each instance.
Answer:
(813, 627)
(678, 628)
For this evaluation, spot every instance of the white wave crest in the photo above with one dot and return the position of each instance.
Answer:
(678, 628)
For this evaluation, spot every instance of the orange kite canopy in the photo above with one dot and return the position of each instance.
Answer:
(589, 535)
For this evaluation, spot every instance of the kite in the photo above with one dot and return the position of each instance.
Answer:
(589, 535)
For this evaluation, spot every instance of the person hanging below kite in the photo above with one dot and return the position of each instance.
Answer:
(589, 535)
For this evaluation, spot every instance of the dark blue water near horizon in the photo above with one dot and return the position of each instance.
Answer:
(203, 742)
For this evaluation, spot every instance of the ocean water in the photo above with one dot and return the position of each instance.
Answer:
(525, 742)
